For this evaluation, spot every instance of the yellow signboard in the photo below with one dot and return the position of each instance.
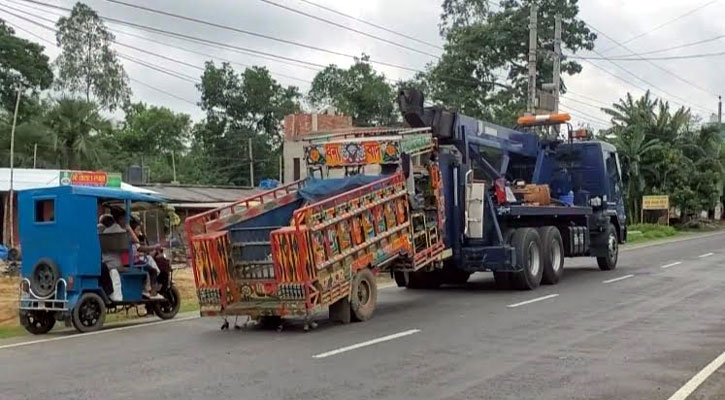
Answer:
(655, 202)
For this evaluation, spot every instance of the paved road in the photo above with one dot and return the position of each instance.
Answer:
(640, 337)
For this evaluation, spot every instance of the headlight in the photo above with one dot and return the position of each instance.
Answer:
(595, 201)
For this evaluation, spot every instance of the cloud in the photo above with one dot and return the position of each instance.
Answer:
(621, 19)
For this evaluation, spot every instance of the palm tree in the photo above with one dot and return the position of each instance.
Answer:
(633, 145)
(76, 125)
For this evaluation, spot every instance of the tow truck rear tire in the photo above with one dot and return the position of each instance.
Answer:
(527, 245)
(363, 295)
(609, 262)
(423, 280)
(552, 255)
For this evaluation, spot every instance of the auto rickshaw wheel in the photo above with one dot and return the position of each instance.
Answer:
(37, 322)
(90, 313)
(168, 308)
(43, 278)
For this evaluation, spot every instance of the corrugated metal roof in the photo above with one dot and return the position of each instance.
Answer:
(201, 194)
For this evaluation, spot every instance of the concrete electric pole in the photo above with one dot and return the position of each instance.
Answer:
(557, 61)
(531, 98)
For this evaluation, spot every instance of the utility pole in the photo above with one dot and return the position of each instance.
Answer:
(35, 155)
(719, 111)
(251, 164)
(280, 170)
(557, 60)
(11, 209)
(531, 100)
(173, 165)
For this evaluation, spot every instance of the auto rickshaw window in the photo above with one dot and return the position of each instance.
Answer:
(45, 210)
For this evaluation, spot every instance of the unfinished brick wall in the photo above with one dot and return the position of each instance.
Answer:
(302, 124)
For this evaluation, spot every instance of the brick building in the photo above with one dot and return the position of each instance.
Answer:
(297, 126)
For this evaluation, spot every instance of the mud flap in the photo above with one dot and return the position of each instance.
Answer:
(340, 311)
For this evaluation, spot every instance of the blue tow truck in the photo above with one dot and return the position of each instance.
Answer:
(491, 228)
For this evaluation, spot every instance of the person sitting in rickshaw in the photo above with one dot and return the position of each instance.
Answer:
(119, 217)
(145, 254)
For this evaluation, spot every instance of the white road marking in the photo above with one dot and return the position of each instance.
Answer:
(671, 264)
(80, 335)
(621, 278)
(367, 343)
(705, 255)
(698, 379)
(523, 303)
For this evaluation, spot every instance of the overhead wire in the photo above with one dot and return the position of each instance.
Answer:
(681, 46)
(332, 10)
(662, 25)
(676, 76)
(336, 24)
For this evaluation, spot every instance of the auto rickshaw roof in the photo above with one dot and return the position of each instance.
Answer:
(115, 193)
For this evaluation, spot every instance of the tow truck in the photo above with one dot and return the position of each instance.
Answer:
(430, 204)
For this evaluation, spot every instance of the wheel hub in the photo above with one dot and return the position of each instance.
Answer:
(534, 263)
(363, 292)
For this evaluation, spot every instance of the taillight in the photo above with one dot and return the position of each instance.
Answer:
(500, 186)
(70, 284)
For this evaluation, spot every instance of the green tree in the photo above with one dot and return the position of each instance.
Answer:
(77, 128)
(22, 65)
(483, 70)
(87, 64)
(632, 146)
(152, 130)
(239, 107)
(357, 91)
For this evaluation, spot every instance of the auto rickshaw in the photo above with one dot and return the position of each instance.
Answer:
(63, 277)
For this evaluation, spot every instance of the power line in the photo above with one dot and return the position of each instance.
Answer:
(682, 46)
(174, 74)
(678, 77)
(681, 57)
(18, 27)
(595, 118)
(568, 91)
(201, 42)
(332, 10)
(662, 25)
(584, 103)
(333, 23)
(268, 37)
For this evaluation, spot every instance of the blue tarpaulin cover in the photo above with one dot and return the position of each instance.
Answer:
(320, 189)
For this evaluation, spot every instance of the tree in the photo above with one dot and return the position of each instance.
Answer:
(239, 107)
(357, 91)
(152, 130)
(77, 129)
(632, 146)
(22, 66)
(87, 64)
(483, 71)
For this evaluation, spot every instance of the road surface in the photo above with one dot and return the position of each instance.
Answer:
(639, 332)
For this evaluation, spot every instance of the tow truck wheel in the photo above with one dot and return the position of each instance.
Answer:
(527, 244)
(400, 279)
(37, 322)
(609, 262)
(552, 255)
(168, 308)
(363, 296)
(423, 280)
(89, 313)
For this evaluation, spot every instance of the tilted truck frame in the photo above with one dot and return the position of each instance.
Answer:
(277, 254)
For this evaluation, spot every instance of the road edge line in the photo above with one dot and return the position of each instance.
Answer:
(690, 386)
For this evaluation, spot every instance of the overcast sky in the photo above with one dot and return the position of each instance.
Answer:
(700, 79)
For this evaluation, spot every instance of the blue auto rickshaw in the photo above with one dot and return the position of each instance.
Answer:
(63, 277)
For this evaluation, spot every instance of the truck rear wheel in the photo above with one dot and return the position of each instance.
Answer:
(363, 296)
(609, 262)
(423, 280)
(552, 255)
(527, 245)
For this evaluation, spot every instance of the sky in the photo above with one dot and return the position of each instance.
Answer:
(641, 25)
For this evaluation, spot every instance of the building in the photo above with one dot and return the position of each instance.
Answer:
(296, 127)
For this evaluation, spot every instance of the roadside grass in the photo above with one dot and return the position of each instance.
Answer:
(638, 233)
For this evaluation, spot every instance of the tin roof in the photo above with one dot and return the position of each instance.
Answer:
(201, 194)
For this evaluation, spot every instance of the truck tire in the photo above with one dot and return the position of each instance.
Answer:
(552, 255)
(503, 279)
(423, 280)
(609, 262)
(527, 244)
(89, 313)
(400, 279)
(363, 296)
(37, 322)
(454, 276)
